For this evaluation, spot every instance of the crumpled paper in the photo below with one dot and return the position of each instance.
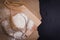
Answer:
(20, 25)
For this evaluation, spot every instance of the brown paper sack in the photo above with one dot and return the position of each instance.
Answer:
(21, 20)
(18, 21)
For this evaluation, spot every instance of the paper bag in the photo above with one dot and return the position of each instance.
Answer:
(21, 21)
